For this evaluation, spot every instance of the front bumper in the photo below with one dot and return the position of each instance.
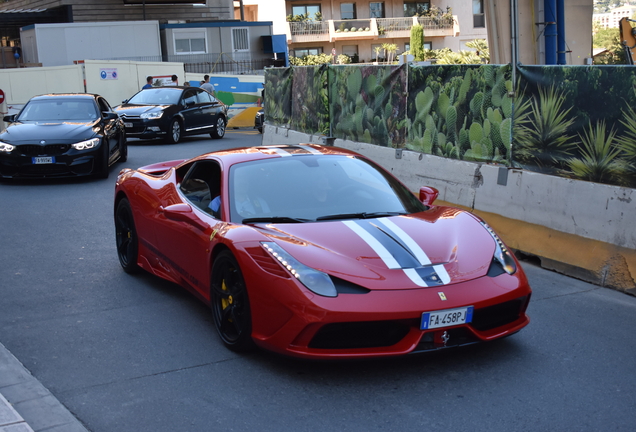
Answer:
(291, 320)
(65, 162)
(144, 128)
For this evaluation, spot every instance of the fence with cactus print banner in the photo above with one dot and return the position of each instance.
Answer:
(571, 121)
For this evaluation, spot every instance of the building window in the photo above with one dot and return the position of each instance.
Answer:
(412, 8)
(347, 11)
(352, 52)
(303, 52)
(189, 42)
(479, 20)
(376, 9)
(310, 10)
(240, 39)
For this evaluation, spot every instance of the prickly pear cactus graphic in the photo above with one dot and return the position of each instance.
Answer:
(466, 107)
(367, 104)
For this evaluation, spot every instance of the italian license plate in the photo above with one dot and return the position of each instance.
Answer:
(43, 160)
(446, 318)
(128, 125)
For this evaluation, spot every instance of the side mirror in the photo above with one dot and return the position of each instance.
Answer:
(110, 115)
(9, 118)
(124, 101)
(183, 213)
(428, 195)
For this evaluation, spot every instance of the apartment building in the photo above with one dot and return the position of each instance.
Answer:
(359, 28)
(610, 19)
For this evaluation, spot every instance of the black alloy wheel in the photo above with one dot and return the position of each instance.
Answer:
(230, 303)
(174, 132)
(126, 237)
(219, 131)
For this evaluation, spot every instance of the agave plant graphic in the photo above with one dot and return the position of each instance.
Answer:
(542, 137)
(599, 161)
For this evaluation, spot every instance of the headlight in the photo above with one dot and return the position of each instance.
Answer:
(7, 148)
(85, 145)
(502, 254)
(152, 115)
(315, 280)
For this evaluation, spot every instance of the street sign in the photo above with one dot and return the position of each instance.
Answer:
(1, 96)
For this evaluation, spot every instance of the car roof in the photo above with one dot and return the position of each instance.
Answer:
(246, 154)
(67, 95)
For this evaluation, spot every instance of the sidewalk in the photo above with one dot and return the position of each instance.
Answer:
(26, 405)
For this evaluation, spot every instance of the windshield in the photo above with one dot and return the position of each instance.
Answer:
(157, 96)
(315, 187)
(58, 109)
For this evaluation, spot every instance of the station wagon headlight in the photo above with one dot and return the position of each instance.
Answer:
(315, 280)
(85, 145)
(502, 253)
(151, 115)
(5, 147)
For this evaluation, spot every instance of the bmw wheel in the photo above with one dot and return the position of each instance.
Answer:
(230, 303)
(126, 237)
(219, 131)
(174, 132)
(123, 148)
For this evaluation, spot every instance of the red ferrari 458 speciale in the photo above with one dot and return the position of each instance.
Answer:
(317, 252)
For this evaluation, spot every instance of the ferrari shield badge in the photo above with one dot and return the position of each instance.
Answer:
(442, 296)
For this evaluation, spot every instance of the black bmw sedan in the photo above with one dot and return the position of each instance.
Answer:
(62, 135)
(173, 112)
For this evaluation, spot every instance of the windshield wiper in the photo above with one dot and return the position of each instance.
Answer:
(363, 215)
(275, 219)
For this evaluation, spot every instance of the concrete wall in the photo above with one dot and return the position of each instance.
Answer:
(579, 228)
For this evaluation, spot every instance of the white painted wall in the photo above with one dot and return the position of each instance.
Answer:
(62, 44)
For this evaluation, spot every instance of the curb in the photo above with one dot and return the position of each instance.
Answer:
(26, 405)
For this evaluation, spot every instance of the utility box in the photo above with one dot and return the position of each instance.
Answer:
(66, 43)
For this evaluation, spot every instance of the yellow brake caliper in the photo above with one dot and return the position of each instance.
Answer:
(225, 302)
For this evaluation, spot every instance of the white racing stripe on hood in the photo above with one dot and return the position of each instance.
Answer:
(280, 151)
(375, 245)
(416, 249)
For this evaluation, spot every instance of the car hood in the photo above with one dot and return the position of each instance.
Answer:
(51, 132)
(137, 110)
(441, 246)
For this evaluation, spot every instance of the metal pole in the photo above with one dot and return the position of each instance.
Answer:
(560, 19)
(550, 33)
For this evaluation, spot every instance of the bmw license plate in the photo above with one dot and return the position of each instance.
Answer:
(446, 318)
(43, 160)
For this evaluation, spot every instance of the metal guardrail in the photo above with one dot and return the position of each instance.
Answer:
(395, 24)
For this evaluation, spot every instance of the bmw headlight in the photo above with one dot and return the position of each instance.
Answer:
(502, 254)
(152, 115)
(315, 280)
(85, 145)
(7, 148)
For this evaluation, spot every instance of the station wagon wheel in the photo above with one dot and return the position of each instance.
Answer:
(174, 132)
(230, 303)
(126, 237)
(219, 131)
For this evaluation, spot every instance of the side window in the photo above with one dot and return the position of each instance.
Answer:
(204, 97)
(189, 97)
(202, 184)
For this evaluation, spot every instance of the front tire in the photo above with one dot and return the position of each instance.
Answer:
(174, 132)
(219, 131)
(230, 303)
(126, 237)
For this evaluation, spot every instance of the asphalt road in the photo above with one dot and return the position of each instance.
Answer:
(135, 353)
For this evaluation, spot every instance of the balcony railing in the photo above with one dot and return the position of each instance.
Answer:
(394, 25)
(434, 23)
(332, 30)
